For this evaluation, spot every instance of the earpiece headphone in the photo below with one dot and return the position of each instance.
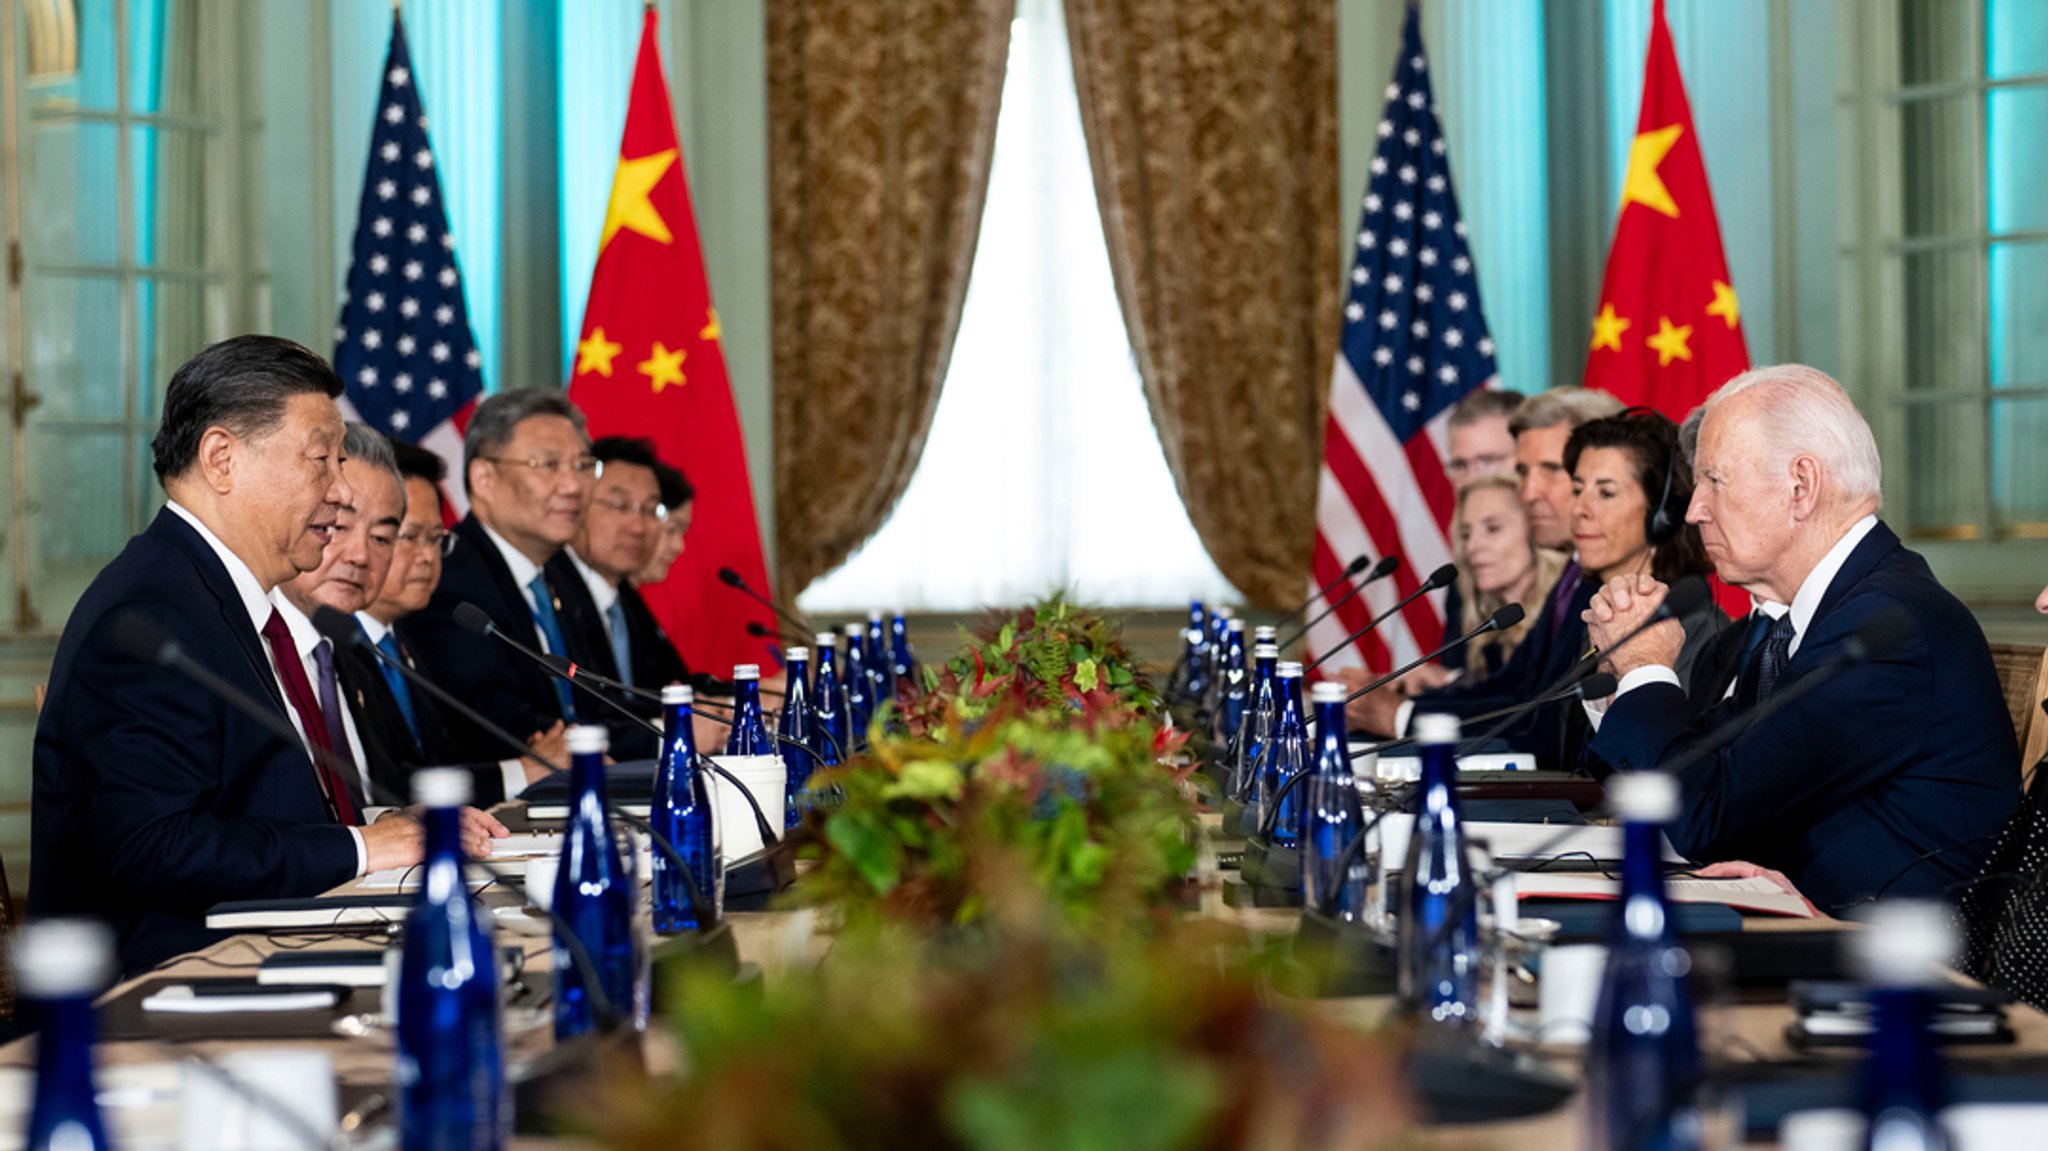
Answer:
(1662, 522)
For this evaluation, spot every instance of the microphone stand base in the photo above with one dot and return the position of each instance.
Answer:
(1335, 959)
(752, 882)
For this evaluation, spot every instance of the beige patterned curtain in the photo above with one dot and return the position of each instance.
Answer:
(882, 118)
(1212, 129)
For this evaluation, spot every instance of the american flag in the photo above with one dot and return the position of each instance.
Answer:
(404, 348)
(1414, 344)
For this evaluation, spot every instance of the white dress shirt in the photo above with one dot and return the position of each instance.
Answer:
(259, 604)
(523, 571)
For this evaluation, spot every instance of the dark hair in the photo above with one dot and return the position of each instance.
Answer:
(491, 426)
(417, 463)
(625, 450)
(1651, 440)
(676, 491)
(241, 384)
(1486, 403)
(370, 448)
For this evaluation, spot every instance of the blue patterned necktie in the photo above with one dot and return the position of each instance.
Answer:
(1773, 656)
(401, 691)
(622, 647)
(551, 630)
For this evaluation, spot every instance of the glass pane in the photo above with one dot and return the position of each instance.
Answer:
(1943, 467)
(1941, 189)
(2015, 123)
(2019, 461)
(174, 319)
(1934, 41)
(76, 503)
(2015, 37)
(74, 353)
(71, 54)
(71, 210)
(149, 495)
(1941, 321)
(2019, 315)
(170, 194)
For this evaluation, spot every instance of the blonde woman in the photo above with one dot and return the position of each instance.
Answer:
(1498, 564)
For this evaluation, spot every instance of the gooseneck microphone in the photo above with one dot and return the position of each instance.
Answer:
(731, 579)
(760, 630)
(1350, 569)
(1596, 686)
(1387, 566)
(1507, 616)
(1442, 577)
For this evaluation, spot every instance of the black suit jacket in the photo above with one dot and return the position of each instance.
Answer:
(152, 800)
(509, 689)
(589, 638)
(1892, 777)
(389, 744)
(1555, 733)
(655, 659)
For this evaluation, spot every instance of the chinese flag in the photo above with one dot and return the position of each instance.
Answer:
(649, 364)
(1669, 330)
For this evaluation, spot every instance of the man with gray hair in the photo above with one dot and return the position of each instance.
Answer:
(1888, 777)
(527, 466)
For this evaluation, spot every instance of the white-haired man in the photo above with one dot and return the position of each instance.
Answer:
(1890, 777)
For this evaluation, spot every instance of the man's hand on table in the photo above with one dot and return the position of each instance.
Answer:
(396, 840)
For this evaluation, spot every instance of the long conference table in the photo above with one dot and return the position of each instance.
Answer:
(141, 1076)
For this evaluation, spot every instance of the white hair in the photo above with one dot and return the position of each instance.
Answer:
(1810, 414)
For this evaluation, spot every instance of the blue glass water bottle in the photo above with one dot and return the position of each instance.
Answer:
(749, 732)
(1286, 756)
(60, 965)
(878, 661)
(1332, 874)
(1439, 946)
(1643, 1063)
(682, 815)
(594, 894)
(902, 664)
(797, 729)
(860, 688)
(451, 1059)
(1235, 690)
(1257, 727)
(1901, 957)
(828, 698)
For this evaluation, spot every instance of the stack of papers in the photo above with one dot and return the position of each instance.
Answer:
(1755, 894)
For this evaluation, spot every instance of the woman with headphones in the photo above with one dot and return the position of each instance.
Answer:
(1630, 491)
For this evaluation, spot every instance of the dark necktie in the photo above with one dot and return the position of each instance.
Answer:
(1561, 597)
(299, 694)
(401, 691)
(551, 630)
(1772, 657)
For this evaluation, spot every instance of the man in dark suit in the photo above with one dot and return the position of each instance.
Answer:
(1890, 778)
(1542, 425)
(408, 722)
(152, 799)
(527, 468)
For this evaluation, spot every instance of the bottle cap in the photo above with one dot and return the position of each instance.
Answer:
(443, 786)
(588, 739)
(1289, 669)
(746, 671)
(1225, 610)
(874, 617)
(796, 653)
(855, 630)
(63, 958)
(1265, 633)
(1235, 626)
(1266, 651)
(1434, 727)
(1644, 796)
(1327, 691)
(828, 639)
(678, 693)
(1906, 943)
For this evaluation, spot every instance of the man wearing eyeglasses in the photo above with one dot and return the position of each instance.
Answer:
(527, 468)
(608, 626)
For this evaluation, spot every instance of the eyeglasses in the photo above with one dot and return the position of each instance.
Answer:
(440, 539)
(652, 511)
(550, 466)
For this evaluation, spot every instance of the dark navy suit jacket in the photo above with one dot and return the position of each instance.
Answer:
(152, 799)
(509, 689)
(393, 752)
(1554, 733)
(588, 635)
(1892, 777)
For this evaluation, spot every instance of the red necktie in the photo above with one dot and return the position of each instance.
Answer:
(299, 693)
